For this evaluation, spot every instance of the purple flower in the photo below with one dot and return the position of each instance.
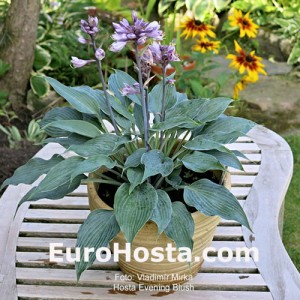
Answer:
(90, 26)
(163, 54)
(171, 81)
(99, 54)
(138, 32)
(78, 63)
(146, 63)
(130, 90)
(83, 40)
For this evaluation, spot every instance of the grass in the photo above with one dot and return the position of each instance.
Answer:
(291, 232)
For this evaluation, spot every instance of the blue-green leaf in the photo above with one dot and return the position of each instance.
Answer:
(134, 209)
(134, 159)
(181, 227)
(92, 164)
(59, 174)
(56, 114)
(77, 126)
(226, 159)
(58, 193)
(97, 231)
(214, 199)
(201, 162)
(135, 177)
(116, 83)
(106, 144)
(155, 97)
(163, 211)
(200, 143)
(156, 162)
(82, 101)
(211, 109)
(178, 121)
(32, 170)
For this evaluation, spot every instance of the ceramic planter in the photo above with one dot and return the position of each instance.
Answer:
(164, 272)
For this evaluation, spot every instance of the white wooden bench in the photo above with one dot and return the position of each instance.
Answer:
(27, 273)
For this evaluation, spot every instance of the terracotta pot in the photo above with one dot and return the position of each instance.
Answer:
(164, 272)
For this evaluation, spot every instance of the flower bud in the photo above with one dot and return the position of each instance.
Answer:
(78, 63)
(99, 54)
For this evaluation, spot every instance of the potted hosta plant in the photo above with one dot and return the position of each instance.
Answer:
(155, 161)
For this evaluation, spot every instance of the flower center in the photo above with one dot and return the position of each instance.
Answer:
(249, 58)
(245, 22)
(197, 22)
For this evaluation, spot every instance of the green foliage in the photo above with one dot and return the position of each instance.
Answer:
(291, 235)
(96, 232)
(147, 162)
(13, 135)
(33, 134)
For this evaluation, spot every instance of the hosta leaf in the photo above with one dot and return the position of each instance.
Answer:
(181, 227)
(201, 162)
(135, 177)
(39, 85)
(67, 141)
(58, 193)
(155, 97)
(106, 144)
(156, 163)
(174, 178)
(134, 210)
(116, 83)
(200, 143)
(97, 231)
(138, 117)
(187, 108)
(59, 174)
(42, 58)
(163, 211)
(226, 124)
(120, 108)
(134, 159)
(178, 121)
(92, 164)
(211, 109)
(77, 126)
(214, 199)
(56, 114)
(226, 159)
(80, 100)
(32, 170)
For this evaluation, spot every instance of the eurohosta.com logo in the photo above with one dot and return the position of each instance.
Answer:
(156, 254)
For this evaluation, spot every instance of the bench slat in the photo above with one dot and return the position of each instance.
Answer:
(42, 244)
(35, 292)
(95, 278)
(70, 231)
(244, 147)
(41, 260)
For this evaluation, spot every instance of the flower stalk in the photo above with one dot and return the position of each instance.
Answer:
(143, 99)
(99, 65)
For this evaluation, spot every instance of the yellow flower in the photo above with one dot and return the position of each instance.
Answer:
(246, 24)
(246, 62)
(240, 85)
(193, 27)
(204, 45)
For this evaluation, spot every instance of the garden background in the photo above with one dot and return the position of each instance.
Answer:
(40, 38)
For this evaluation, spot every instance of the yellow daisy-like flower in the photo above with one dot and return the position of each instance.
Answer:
(246, 62)
(241, 85)
(193, 27)
(246, 24)
(204, 45)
